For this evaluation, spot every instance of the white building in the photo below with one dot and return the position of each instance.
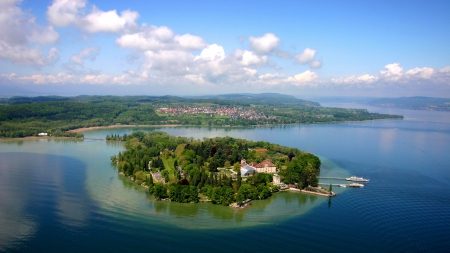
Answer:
(276, 179)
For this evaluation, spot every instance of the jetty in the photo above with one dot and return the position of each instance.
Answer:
(334, 178)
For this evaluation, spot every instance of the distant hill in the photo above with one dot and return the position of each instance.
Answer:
(415, 103)
(264, 98)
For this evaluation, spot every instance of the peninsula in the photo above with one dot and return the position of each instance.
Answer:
(220, 170)
(57, 116)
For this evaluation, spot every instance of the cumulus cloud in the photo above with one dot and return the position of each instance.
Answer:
(60, 78)
(353, 79)
(264, 44)
(156, 38)
(73, 12)
(308, 57)
(394, 75)
(211, 53)
(249, 58)
(190, 42)
(21, 37)
(269, 76)
(392, 72)
(424, 73)
(87, 53)
(302, 78)
(167, 61)
(64, 12)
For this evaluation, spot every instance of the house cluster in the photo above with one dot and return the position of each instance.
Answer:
(252, 168)
(232, 112)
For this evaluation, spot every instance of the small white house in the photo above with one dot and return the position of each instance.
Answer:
(42, 134)
(276, 179)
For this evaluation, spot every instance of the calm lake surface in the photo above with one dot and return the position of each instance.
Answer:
(62, 195)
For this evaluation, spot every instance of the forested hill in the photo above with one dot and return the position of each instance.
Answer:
(415, 103)
(263, 98)
(28, 116)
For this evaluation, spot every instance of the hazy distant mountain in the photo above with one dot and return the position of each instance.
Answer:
(234, 96)
(270, 98)
(11, 91)
(415, 103)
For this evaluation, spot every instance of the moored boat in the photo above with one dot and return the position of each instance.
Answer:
(357, 179)
(356, 185)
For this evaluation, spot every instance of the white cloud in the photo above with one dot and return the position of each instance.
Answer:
(307, 57)
(21, 37)
(156, 38)
(190, 42)
(445, 70)
(97, 79)
(424, 73)
(72, 12)
(392, 72)
(270, 76)
(65, 12)
(367, 78)
(89, 53)
(60, 78)
(25, 55)
(355, 79)
(305, 77)
(315, 64)
(168, 61)
(250, 72)
(212, 52)
(264, 44)
(249, 58)
(109, 21)
(394, 77)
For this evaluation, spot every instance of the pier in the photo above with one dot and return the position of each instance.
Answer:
(331, 184)
(335, 178)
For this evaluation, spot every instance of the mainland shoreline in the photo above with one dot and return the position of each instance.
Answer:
(82, 129)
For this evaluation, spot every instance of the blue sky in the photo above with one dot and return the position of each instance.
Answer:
(304, 48)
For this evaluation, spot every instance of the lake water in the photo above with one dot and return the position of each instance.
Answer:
(63, 195)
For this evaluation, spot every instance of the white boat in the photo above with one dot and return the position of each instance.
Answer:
(356, 185)
(342, 185)
(357, 179)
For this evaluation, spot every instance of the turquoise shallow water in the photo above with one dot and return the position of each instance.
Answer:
(63, 195)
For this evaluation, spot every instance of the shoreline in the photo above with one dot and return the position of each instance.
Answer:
(39, 138)
(82, 129)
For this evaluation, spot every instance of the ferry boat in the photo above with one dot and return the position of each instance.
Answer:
(357, 179)
(356, 185)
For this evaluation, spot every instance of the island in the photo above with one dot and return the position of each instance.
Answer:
(59, 116)
(224, 171)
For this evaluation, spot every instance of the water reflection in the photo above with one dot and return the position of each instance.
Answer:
(39, 191)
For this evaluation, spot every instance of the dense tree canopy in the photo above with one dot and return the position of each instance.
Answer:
(185, 168)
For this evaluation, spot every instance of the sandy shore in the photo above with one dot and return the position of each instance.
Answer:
(116, 126)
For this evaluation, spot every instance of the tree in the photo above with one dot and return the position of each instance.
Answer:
(160, 191)
(236, 166)
(239, 179)
(150, 181)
